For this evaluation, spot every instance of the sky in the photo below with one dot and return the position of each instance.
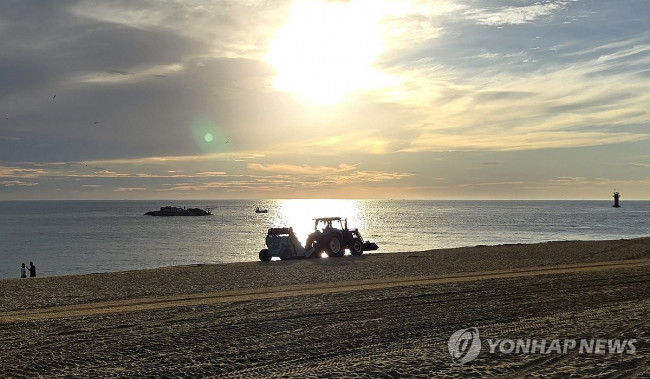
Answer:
(446, 99)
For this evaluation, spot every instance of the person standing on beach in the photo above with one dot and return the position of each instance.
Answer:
(32, 270)
(23, 273)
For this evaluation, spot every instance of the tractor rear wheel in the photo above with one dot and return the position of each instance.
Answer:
(264, 255)
(334, 247)
(356, 248)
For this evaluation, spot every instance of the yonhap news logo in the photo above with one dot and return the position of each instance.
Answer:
(465, 345)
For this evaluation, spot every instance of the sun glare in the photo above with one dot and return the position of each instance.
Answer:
(326, 50)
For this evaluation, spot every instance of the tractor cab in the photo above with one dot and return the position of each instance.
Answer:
(326, 223)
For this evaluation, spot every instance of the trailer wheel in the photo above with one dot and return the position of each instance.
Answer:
(334, 247)
(285, 254)
(357, 247)
(264, 255)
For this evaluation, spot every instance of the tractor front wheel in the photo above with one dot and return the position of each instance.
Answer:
(357, 247)
(334, 247)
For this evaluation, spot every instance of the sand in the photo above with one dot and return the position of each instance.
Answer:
(377, 315)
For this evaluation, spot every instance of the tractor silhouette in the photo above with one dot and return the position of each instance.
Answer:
(330, 236)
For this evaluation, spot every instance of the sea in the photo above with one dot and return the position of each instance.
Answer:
(81, 237)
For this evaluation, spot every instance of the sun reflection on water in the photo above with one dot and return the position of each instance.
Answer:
(300, 213)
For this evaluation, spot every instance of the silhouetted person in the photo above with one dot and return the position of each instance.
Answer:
(23, 272)
(32, 270)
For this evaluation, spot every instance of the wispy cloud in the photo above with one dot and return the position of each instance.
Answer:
(18, 172)
(130, 189)
(514, 15)
(341, 174)
(304, 169)
(17, 183)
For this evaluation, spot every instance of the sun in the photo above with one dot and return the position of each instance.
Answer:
(327, 50)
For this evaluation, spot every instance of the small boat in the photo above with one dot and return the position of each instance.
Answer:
(258, 210)
(176, 211)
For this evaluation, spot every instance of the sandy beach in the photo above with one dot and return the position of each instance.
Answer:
(377, 315)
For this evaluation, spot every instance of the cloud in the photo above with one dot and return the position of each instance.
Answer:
(130, 189)
(118, 72)
(515, 15)
(211, 173)
(17, 183)
(521, 141)
(376, 176)
(304, 169)
(19, 172)
(553, 106)
(229, 29)
(496, 184)
(314, 177)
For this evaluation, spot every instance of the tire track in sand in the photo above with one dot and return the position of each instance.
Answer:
(212, 298)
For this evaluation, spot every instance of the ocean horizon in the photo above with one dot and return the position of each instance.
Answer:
(64, 237)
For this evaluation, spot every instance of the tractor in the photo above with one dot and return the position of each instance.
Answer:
(330, 236)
